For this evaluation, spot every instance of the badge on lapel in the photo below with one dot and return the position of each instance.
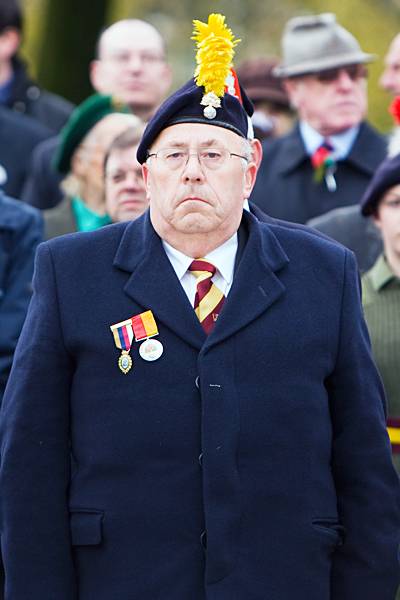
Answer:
(123, 336)
(143, 327)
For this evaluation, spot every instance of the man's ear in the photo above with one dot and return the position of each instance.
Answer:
(146, 179)
(252, 167)
(257, 152)
(376, 220)
(291, 87)
(96, 76)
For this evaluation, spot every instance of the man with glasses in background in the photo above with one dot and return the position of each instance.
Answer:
(131, 65)
(327, 160)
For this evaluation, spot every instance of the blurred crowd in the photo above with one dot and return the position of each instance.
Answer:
(66, 168)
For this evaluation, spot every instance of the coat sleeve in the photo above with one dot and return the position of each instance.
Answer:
(35, 452)
(16, 286)
(366, 566)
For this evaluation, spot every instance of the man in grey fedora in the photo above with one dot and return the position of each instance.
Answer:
(327, 160)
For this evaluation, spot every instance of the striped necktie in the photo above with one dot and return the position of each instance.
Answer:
(209, 299)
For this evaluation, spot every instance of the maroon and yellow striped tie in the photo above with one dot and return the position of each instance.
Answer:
(209, 298)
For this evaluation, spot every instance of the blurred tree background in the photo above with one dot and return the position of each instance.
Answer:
(60, 35)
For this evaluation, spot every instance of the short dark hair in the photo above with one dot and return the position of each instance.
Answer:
(127, 139)
(10, 15)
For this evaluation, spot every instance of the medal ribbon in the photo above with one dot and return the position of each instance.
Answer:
(123, 334)
(144, 325)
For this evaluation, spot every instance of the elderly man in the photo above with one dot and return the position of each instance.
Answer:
(131, 65)
(330, 156)
(198, 415)
(124, 189)
(346, 225)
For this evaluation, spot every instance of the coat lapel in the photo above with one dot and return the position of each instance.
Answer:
(153, 283)
(255, 286)
(293, 152)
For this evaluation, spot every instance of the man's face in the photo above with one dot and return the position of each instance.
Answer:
(197, 198)
(132, 66)
(387, 219)
(124, 186)
(390, 79)
(330, 101)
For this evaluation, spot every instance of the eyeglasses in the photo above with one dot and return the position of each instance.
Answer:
(209, 158)
(147, 58)
(355, 72)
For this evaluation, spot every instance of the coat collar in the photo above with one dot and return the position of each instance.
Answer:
(293, 151)
(153, 284)
(362, 155)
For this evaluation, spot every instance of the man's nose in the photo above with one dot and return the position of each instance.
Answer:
(193, 171)
(344, 80)
(134, 180)
(135, 62)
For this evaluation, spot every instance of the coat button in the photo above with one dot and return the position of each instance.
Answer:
(197, 382)
(203, 540)
(201, 459)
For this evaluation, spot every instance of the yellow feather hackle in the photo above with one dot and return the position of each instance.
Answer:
(215, 52)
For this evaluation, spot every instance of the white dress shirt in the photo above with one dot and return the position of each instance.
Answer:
(223, 258)
(342, 143)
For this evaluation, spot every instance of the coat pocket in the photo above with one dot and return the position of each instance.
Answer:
(86, 526)
(331, 528)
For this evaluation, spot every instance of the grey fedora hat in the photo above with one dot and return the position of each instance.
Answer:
(317, 42)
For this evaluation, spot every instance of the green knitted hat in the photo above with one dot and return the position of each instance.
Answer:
(82, 120)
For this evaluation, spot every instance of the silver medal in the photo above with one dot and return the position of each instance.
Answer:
(151, 349)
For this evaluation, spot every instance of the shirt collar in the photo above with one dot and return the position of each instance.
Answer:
(222, 257)
(342, 142)
(381, 274)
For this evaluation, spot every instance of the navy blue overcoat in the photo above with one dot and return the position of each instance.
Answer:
(21, 230)
(250, 465)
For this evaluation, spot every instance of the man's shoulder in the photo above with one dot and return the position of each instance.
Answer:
(292, 139)
(88, 244)
(367, 130)
(290, 228)
(15, 214)
(343, 217)
(369, 149)
(22, 127)
(301, 242)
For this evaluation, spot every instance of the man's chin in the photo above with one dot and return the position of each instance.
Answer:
(195, 223)
(346, 121)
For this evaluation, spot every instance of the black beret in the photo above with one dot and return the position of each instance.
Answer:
(184, 106)
(386, 176)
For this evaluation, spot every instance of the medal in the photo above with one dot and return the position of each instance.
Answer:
(125, 362)
(145, 328)
(123, 336)
(151, 350)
